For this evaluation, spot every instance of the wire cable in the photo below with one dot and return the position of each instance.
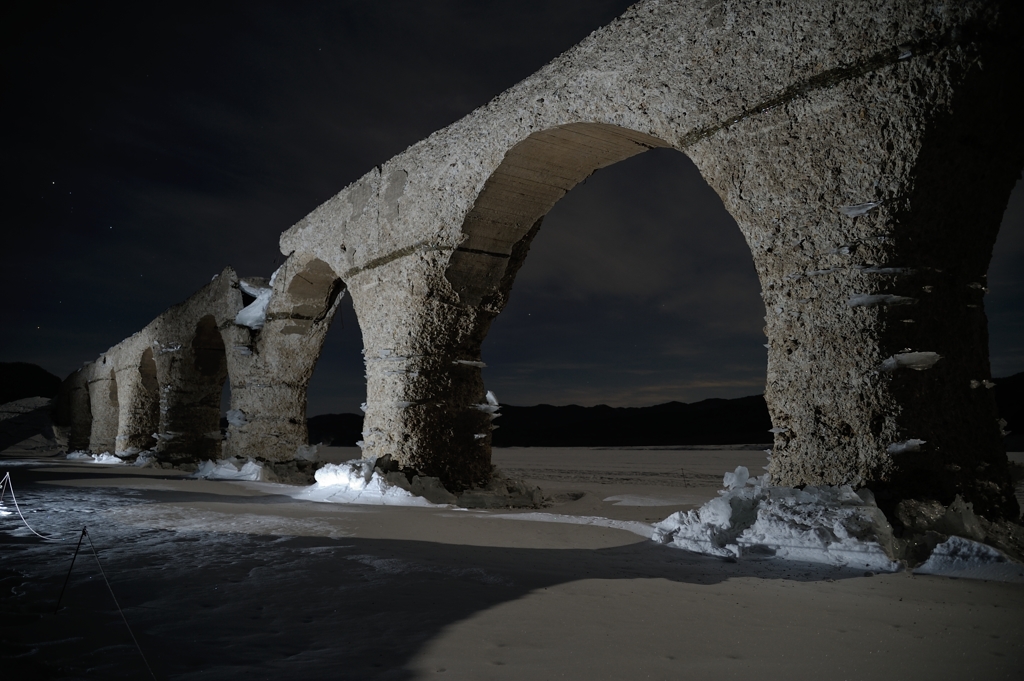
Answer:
(6, 485)
(85, 533)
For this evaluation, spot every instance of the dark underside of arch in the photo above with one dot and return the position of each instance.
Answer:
(533, 176)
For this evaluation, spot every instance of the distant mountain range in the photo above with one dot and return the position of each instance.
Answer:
(742, 420)
(21, 379)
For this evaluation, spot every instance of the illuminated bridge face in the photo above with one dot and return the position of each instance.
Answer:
(865, 154)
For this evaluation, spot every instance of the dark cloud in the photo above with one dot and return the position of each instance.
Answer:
(146, 147)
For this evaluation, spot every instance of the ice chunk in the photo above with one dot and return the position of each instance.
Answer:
(354, 474)
(870, 300)
(874, 269)
(737, 478)
(826, 524)
(359, 482)
(236, 417)
(107, 458)
(832, 525)
(470, 363)
(145, 459)
(254, 315)
(911, 445)
(778, 430)
(918, 361)
(229, 469)
(859, 209)
(959, 557)
(104, 458)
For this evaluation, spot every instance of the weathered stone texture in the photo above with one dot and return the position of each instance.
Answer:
(270, 368)
(866, 150)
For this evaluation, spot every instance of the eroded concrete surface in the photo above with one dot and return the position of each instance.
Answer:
(865, 149)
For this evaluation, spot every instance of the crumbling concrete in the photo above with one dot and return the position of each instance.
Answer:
(270, 367)
(158, 390)
(865, 149)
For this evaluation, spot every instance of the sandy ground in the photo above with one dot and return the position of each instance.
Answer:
(237, 581)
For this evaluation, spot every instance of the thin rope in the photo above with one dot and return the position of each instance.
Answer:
(6, 485)
(85, 533)
(64, 588)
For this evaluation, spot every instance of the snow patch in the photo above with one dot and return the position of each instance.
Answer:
(229, 469)
(104, 458)
(359, 482)
(634, 526)
(641, 500)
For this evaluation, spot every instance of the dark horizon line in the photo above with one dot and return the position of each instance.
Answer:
(996, 379)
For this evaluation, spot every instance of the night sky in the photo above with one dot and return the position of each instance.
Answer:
(146, 147)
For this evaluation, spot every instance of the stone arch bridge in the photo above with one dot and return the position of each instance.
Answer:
(866, 149)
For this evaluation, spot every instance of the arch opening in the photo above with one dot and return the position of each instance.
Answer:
(639, 290)
(104, 407)
(451, 438)
(533, 176)
(313, 297)
(337, 388)
(72, 413)
(270, 422)
(140, 415)
(208, 356)
(193, 403)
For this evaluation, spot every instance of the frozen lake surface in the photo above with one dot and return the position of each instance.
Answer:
(232, 580)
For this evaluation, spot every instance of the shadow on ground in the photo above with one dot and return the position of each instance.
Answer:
(236, 605)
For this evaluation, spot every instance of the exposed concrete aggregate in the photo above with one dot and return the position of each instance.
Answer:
(866, 150)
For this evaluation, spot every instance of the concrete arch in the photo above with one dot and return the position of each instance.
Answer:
(866, 151)
(190, 403)
(532, 177)
(189, 343)
(72, 412)
(104, 406)
(844, 165)
(138, 394)
(163, 384)
(146, 386)
(271, 366)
